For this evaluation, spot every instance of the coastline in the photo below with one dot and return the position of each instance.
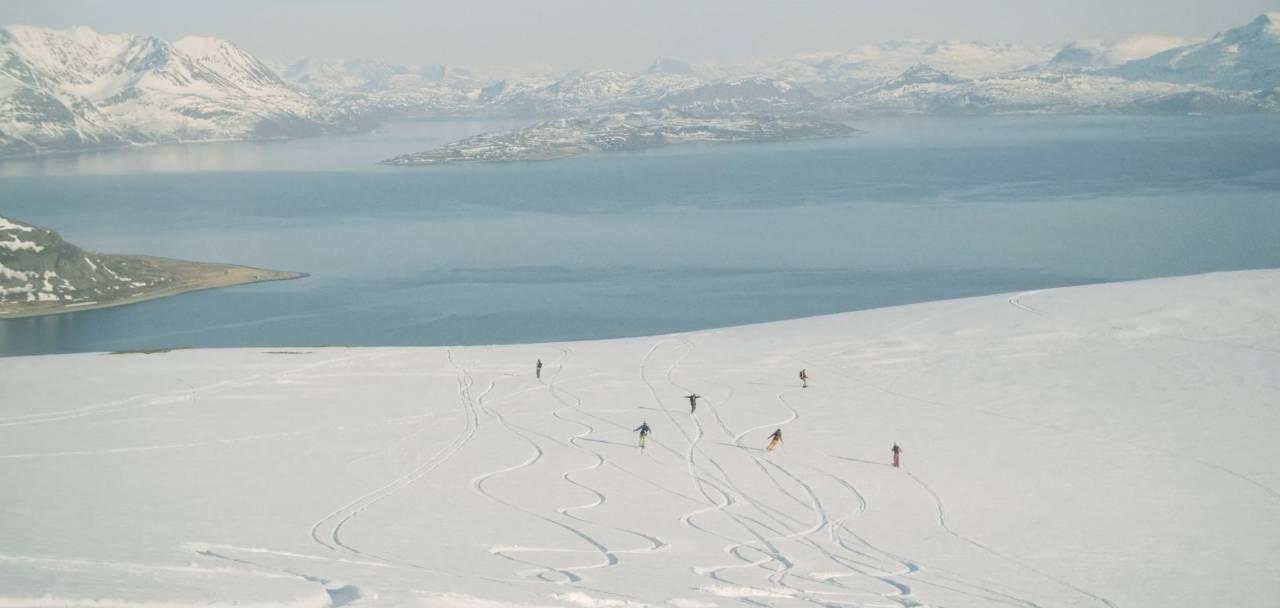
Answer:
(188, 277)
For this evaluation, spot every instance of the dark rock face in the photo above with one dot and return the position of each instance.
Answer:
(36, 265)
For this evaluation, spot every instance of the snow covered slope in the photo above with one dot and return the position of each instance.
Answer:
(1246, 58)
(1044, 91)
(1105, 446)
(1109, 53)
(76, 88)
(834, 74)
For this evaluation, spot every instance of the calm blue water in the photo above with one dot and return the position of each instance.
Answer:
(632, 244)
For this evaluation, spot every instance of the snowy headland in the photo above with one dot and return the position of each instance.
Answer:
(1103, 446)
(41, 274)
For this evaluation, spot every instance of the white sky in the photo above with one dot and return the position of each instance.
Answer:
(625, 34)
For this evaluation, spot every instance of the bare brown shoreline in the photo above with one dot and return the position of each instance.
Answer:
(187, 276)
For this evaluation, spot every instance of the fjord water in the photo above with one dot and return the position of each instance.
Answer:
(615, 245)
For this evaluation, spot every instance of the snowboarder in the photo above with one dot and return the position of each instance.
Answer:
(896, 451)
(804, 379)
(537, 370)
(643, 429)
(775, 439)
(693, 401)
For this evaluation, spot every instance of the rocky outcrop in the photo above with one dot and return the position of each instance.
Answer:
(40, 273)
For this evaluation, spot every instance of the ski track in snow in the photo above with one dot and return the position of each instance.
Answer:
(722, 500)
(179, 396)
(902, 593)
(328, 530)
(1016, 300)
(788, 529)
(767, 539)
(942, 522)
(545, 572)
(655, 543)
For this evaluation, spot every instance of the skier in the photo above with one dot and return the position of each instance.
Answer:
(537, 370)
(693, 401)
(896, 451)
(643, 429)
(804, 379)
(775, 439)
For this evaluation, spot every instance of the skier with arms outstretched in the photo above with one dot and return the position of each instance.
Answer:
(693, 401)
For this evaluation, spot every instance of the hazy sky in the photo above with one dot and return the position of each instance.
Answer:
(625, 34)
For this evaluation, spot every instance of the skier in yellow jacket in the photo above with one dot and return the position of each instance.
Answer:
(775, 439)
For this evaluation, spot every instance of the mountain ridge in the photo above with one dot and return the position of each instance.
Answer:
(76, 89)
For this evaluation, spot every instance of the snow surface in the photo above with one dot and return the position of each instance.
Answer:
(1104, 446)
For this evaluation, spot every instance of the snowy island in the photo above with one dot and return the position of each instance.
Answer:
(627, 131)
(1095, 447)
(41, 274)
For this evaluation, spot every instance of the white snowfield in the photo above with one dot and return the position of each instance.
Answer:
(1111, 446)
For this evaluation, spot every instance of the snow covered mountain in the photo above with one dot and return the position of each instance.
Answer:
(1235, 71)
(584, 91)
(773, 88)
(1044, 91)
(1246, 58)
(834, 74)
(76, 88)
(1110, 53)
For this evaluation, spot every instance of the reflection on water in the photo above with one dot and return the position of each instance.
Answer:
(37, 335)
(629, 244)
(359, 152)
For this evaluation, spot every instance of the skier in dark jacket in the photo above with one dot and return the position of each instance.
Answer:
(537, 370)
(804, 379)
(775, 439)
(693, 401)
(644, 430)
(896, 451)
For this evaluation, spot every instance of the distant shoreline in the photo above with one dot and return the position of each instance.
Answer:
(188, 277)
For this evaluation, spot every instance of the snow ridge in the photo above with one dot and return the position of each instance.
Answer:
(76, 89)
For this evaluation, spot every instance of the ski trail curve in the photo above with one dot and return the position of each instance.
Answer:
(544, 572)
(942, 522)
(336, 520)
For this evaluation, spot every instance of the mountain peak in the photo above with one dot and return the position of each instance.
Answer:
(1096, 53)
(1265, 30)
(1269, 22)
(204, 47)
(922, 74)
(665, 65)
(1240, 59)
